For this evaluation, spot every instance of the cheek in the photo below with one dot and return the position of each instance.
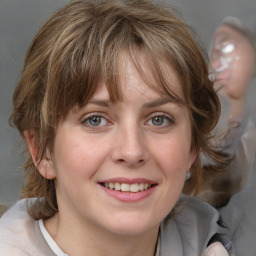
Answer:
(172, 158)
(173, 155)
(77, 155)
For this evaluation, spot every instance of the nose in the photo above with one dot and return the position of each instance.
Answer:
(130, 147)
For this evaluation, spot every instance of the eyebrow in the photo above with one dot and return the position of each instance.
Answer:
(152, 104)
(102, 103)
(158, 102)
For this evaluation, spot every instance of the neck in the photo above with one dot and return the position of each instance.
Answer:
(98, 242)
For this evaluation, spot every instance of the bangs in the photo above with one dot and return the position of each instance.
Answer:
(155, 70)
(86, 51)
(76, 68)
(79, 78)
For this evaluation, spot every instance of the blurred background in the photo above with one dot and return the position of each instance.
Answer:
(19, 21)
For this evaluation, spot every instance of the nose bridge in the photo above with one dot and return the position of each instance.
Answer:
(130, 145)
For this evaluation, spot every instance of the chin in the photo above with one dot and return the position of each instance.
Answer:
(133, 226)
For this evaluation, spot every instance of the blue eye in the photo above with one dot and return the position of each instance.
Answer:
(160, 120)
(95, 121)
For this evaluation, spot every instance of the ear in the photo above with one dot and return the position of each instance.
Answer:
(192, 157)
(45, 166)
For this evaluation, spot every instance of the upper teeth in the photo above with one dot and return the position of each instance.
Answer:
(124, 187)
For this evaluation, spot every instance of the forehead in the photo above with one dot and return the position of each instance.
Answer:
(138, 73)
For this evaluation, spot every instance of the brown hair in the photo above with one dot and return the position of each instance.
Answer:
(77, 47)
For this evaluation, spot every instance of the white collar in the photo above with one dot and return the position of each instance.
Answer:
(55, 248)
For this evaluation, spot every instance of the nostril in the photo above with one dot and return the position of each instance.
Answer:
(130, 162)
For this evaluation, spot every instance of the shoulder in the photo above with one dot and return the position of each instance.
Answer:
(14, 219)
(197, 215)
(195, 222)
(7, 250)
(19, 232)
(15, 227)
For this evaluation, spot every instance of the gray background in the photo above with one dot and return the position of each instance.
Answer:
(19, 21)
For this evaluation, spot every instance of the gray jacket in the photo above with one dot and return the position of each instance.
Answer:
(187, 233)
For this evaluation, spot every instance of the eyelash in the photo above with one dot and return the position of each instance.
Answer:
(88, 117)
(167, 120)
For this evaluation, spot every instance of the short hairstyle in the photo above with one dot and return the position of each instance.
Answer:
(79, 46)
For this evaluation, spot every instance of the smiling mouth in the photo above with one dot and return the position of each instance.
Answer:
(125, 187)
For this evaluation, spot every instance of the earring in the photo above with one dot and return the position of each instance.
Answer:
(188, 175)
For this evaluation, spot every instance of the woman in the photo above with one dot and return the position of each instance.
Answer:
(115, 103)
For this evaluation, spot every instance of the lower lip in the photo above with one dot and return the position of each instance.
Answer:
(129, 196)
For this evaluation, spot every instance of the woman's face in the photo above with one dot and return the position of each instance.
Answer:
(121, 167)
